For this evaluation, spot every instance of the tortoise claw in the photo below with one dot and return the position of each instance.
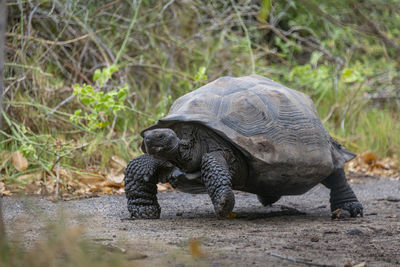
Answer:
(347, 210)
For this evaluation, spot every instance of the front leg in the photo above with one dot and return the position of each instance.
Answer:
(217, 180)
(141, 177)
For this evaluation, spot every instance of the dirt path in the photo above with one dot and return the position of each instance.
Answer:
(258, 236)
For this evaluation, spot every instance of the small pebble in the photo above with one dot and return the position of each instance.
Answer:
(314, 239)
(354, 232)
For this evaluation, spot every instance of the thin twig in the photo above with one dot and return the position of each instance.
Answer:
(58, 181)
(107, 6)
(10, 64)
(83, 76)
(60, 105)
(128, 33)
(19, 36)
(375, 28)
(253, 66)
(12, 84)
(327, 117)
(109, 135)
(166, 6)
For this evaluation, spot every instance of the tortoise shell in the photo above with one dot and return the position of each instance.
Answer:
(276, 128)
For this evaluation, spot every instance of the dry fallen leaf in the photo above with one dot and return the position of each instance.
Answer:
(4, 157)
(117, 162)
(194, 248)
(30, 177)
(337, 213)
(369, 157)
(378, 165)
(162, 187)
(3, 191)
(115, 179)
(106, 190)
(115, 176)
(90, 178)
(361, 264)
(369, 164)
(19, 162)
(165, 187)
(232, 215)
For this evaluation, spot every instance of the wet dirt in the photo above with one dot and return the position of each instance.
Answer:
(295, 231)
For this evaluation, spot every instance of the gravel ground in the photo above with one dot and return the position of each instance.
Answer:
(295, 231)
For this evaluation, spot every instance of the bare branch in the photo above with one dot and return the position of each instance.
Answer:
(374, 26)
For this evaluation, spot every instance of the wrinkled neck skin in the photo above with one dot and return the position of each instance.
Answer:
(197, 140)
(194, 141)
(189, 152)
(179, 145)
(187, 143)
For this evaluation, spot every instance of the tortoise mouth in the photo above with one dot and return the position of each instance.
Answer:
(162, 152)
(159, 149)
(161, 142)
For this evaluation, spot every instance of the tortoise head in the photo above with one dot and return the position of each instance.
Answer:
(161, 143)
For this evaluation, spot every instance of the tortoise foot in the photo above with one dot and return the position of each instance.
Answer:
(224, 205)
(141, 188)
(267, 200)
(347, 209)
(144, 211)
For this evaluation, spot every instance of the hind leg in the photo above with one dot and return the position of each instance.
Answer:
(268, 200)
(342, 196)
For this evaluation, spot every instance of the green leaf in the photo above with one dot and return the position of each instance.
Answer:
(76, 89)
(315, 56)
(92, 116)
(350, 75)
(112, 93)
(87, 100)
(97, 75)
(200, 76)
(107, 73)
(121, 95)
(113, 68)
(264, 10)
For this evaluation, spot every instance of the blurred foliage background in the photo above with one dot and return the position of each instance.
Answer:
(82, 78)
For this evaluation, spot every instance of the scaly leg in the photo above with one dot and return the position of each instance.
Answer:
(141, 177)
(342, 196)
(217, 180)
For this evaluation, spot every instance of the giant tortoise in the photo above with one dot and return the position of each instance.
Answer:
(247, 133)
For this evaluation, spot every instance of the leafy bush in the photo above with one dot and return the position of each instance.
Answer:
(344, 56)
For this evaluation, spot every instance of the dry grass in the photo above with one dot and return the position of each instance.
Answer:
(162, 48)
